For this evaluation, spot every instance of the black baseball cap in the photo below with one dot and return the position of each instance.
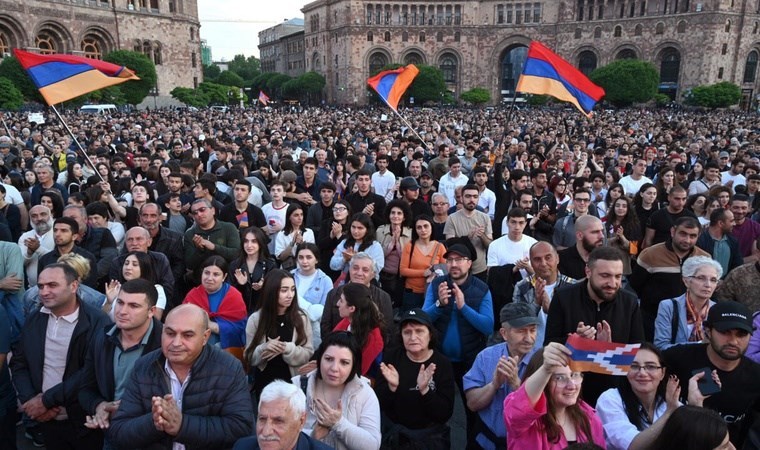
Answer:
(518, 315)
(416, 315)
(729, 315)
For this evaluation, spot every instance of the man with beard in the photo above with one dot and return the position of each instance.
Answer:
(461, 308)
(564, 230)
(410, 192)
(596, 308)
(589, 234)
(746, 230)
(37, 241)
(656, 273)
(728, 329)
(473, 224)
(65, 232)
(661, 221)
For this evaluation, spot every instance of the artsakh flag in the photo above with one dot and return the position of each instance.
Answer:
(263, 98)
(390, 85)
(63, 77)
(607, 358)
(545, 73)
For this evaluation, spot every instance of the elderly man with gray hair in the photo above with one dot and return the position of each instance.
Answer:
(679, 320)
(282, 414)
(361, 269)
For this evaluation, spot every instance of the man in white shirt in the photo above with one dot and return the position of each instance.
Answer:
(734, 176)
(37, 241)
(275, 211)
(487, 199)
(633, 182)
(513, 247)
(383, 180)
(452, 179)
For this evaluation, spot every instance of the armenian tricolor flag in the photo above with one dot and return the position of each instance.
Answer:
(263, 98)
(545, 73)
(391, 84)
(63, 77)
(607, 358)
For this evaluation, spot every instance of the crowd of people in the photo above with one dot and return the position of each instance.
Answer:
(329, 278)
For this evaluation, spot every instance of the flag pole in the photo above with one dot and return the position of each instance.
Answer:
(84, 153)
(409, 126)
(509, 116)
(7, 130)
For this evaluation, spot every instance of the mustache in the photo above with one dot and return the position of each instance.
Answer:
(269, 439)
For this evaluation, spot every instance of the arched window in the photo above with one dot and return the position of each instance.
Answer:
(370, 37)
(157, 57)
(413, 58)
(638, 30)
(315, 65)
(46, 42)
(659, 28)
(404, 36)
(750, 67)
(512, 63)
(754, 28)
(439, 37)
(5, 44)
(376, 62)
(448, 65)
(457, 36)
(577, 34)
(626, 53)
(147, 50)
(618, 31)
(728, 26)
(597, 32)
(586, 62)
(91, 47)
(422, 37)
(387, 36)
(681, 27)
(670, 65)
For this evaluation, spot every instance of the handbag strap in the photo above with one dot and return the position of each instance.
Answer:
(435, 254)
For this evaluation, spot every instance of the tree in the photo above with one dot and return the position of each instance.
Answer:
(10, 97)
(217, 94)
(11, 69)
(190, 97)
(627, 81)
(229, 78)
(211, 72)
(246, 68)
(274, 84)
(719, 95)
(292, 89)
(135, 91)
(312, 84)
(476, 96)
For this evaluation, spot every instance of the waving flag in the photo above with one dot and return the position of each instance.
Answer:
(63, 77)
(546, 73)
(391, 84)
(607, 358)
(263, 98)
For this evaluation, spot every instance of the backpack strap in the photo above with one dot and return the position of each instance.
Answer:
(674, 321)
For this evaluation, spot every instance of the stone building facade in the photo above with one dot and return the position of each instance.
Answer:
(281, 48)
(483, 43)
(164, 30)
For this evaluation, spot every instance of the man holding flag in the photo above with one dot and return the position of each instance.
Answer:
(596, 308)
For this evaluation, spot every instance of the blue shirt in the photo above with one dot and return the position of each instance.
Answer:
(479, 375)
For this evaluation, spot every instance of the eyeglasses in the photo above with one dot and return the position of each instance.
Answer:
(456, 260)
(648, 368)
(200, 210)
(583, 200)
(340, 209)
(439, 204)
(703, 279)
(563, 380)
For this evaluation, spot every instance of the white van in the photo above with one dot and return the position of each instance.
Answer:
(98, 109)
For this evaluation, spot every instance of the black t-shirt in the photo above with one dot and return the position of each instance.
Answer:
(740, 393)
(661, 221)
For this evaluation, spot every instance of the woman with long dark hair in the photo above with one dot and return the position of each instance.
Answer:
(666, 179)
(136, 265)
(331, 232)
(248, 270)
(546, 412)
(74, 178)
(623, 230)
(634, 413)
(693, 428)
(278, 335)
(614, 192)
(293, 234)
(360, 239)
(418, 261)
(360, 315)
(645, 203)
(393, 237)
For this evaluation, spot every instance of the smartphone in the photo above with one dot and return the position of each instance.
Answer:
(707, 386)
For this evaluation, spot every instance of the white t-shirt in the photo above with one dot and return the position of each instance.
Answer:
(12, 195)
(739, 180)
(447, 185)
(383, 183)
(274, 216)
(631, 186)
(487, 201)
(506, 251)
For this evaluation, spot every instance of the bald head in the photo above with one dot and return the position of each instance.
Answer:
(138, 240)
(191, 315)
(41, 219)
(184, 336)
(542, 247)
(584, 223)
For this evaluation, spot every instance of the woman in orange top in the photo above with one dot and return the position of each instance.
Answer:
(417, 261)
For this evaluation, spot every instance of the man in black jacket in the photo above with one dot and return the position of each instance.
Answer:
(596, 308)
(168, 242)
(165, 404)
(115, 349)
(47, 364)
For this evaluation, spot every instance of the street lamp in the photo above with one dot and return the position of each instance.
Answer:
(154, 93)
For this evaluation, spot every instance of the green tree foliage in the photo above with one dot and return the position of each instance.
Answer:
(229, 78)
(217, 94)
(190, 97)
(11, 69)
(246, 68)
(719, 95)
(538, 100)
(476, 96)
(135, 91)
(259, 82)
(273, 85)
(627, 81)
(661, 99)
(211, 72)
(10, 97)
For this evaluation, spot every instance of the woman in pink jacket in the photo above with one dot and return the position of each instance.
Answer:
(545, 412)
